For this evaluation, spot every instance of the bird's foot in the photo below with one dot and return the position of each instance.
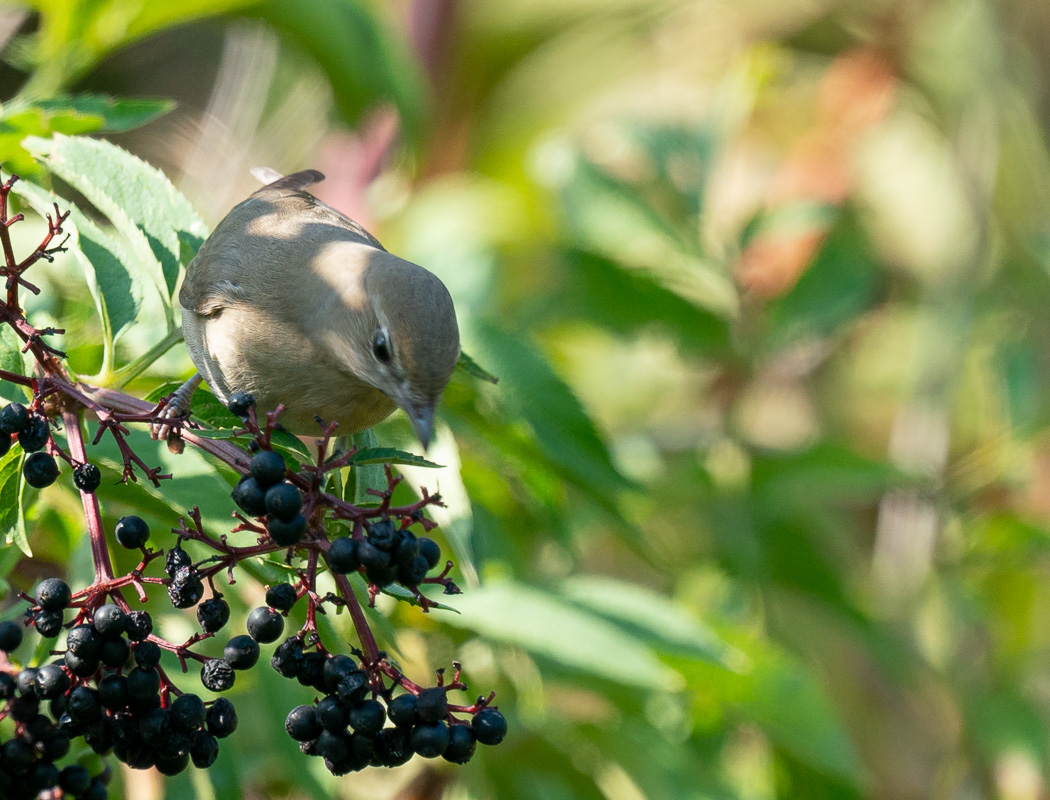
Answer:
(175, 412)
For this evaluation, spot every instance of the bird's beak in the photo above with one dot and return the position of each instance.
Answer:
(422, 418)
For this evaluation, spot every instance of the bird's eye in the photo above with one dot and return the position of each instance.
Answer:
(381, 347)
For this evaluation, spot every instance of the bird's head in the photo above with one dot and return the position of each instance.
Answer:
(412, 338)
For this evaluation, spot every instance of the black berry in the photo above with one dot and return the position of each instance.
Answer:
(13, 418)
(132, 532)
(217, 675)
(213, 614)
(281, 596)
(35, 434)
(489, 726)
(10, 636)
(461, 744)
(267, 468)
(221, 718)
(53, 594)
(368, 717)
(114, 652)
(430, 550)
(239, 403)
(430, 741)
(265, 625)
(402, 711)
(301, 723)
(383, 535)
(188, 713)
(176, 559)
(342, 555)
(250, 497)
(51, 681)
(86, 477)
(283, 501)
(186, 588)
(432, 704)
(40, 470)
(139, 625)
(48, 623)
(110, 621)
(147, 654)
(241, 652)
(287, 533)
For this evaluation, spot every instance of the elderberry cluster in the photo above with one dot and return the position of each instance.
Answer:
(347, 728)
(32, 433)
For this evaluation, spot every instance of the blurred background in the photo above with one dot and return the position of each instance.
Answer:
(759, 507)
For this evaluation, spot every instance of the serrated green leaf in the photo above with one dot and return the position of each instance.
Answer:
(471, 367)
(117, 295)
(544, 624)
(389, 455)
(12, 517)
(137, 198)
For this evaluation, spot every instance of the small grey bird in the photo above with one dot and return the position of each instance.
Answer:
(295, 303)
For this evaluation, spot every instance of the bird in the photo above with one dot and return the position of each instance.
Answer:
(296, 304)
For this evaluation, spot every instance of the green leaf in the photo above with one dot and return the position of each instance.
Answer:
(137, 198)
(563, 430)
(628, 301)
(652, 617)
(113, 287)
(12, 516)
(365, 62)
(82, 113)
(544, 624)
(471, 367)
(389, 455)
(399, 592)
(368, 475)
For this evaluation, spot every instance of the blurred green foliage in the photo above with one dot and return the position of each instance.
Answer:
(758, 506)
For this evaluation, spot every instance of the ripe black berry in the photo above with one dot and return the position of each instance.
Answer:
(489, 726)
(239, 403)
(53, 594)
(336, 668)
(205, 750)
(188, 713)
(332, 746)
(51, 681)
(222, 718)
(80, 666)
(114, 652)
(213, 614)
(265, 625)
(393, 747)
(461, 744)
(113, 692)
(283, 501)
(368, 717)
(430, 550)
(333, 714)
(402, 711)
(84, 704)
(74, 779)
(110, 621)
(407, 549)
(26, 680)
(48, 623)
(342, 556)
(83, 641)
(413, 573)
(371, 557)
(147, 654)
(267, 468)
(10, 636)
(241, 652)
(35, 434)
(132, 532)
(430, 741)
(281, 596)
(353, 688)
(432, 704)
(312, 671)
(86, 477)
(7, 686)
(249, 497)
(143, 683)
(13, 418)
(383, 535)
(287, 533)
(301, 723)
(217, 675)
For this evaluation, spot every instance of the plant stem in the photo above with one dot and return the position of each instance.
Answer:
(99, 548)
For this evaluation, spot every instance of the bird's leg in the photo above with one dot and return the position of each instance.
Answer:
(177, 408)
